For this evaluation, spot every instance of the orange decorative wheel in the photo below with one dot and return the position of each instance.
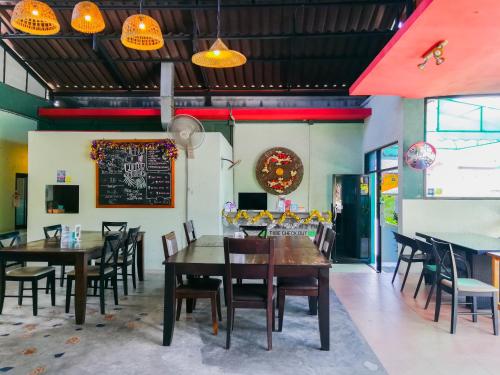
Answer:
(279, 171)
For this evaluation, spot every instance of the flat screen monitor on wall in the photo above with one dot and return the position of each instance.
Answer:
(252, 201)
(62, 199)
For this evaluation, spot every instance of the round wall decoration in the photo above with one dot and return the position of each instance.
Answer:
(420, 155)
(279, 171)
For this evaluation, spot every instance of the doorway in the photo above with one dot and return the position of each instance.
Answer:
(21, 201)
(382, 167)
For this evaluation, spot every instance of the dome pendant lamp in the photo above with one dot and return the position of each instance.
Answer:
(87, 18)
(141, 32)
(219, 55)
(34, 17)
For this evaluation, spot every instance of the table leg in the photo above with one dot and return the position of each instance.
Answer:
(80, 288)
(324, 308)
(495, 274)
(169, 304)
(313, 305)
(140, 258)
(2, 282)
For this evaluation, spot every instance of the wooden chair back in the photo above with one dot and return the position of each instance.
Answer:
(109, 254)
(52, 231)
(130, 246)
(328, 243)
(262, 248)
(189, 231)
(426, 249)
(405, 241)
(9, 239)
(170, 248)
(113, 226)
(319, 233)
(450, 265)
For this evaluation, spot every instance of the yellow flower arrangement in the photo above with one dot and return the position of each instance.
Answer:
(286, 215)
(261, 215)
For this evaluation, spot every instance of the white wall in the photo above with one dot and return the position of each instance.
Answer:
(440, 215)
(385, 125)
(50, 151)
(324, 148)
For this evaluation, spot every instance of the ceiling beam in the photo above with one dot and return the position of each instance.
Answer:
(188, 37)
(250, 59)
(185, 5)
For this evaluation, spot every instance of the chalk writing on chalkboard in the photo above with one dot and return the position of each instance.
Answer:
(135, 177)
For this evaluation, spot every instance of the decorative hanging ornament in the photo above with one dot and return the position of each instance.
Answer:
(87, 18)
(420, 155)
(142, 32)
(219, 55)
(34, 17)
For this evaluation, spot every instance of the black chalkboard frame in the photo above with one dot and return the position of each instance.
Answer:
(172, 181)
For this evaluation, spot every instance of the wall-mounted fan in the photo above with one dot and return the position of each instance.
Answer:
(188, 133)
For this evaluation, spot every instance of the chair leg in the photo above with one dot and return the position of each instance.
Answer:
(215, 324)
(114, 282)
(232, 323)
(101, 296)
(419, 283)
(269, 325)
(397, 266)
(229, 326)
(53, 289)
(68, 293)
(438, 304)
(95, 287)
(430, 295)
(454, 311)
(125, 279)
(47, 286)
(179, 308)
(21, 293)
(474, 309)
(34, 291)
(406, 276)
(134, 276)
(494, 309)
(63, 273)
(219, 310)
(281, 311)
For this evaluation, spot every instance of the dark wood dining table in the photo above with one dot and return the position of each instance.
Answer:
(73, 253)
(295, 256)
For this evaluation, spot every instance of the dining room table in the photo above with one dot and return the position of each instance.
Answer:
(68, 252)
(295, 256)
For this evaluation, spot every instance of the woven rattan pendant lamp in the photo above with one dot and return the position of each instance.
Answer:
(34, 17)
(87, 18)
(141, 32)
(219, 55)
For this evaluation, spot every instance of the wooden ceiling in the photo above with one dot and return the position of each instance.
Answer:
(292, 46)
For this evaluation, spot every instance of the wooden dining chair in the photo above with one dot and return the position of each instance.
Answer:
(250, 295)
(450, 282)
(105, 271)
(9, 239)
(113, 226)
(319, 233)
(303, 286)
(189, 231)
(127, 259)
(195, 288)
(54, 231)
(429, 268)
(413, 257)
(24, 274)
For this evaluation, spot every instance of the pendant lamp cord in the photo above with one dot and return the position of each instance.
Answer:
(140, 6)
(218, 19)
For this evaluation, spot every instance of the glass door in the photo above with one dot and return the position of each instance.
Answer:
(21, 201)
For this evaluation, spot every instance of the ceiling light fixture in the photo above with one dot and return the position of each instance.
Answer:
(34, 17)
(87, 18)
(435, 52)
(142, 32)
(219, 55)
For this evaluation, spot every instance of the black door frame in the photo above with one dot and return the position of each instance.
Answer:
(378, 177)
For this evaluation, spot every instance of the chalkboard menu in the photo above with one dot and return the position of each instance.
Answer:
(135, 176)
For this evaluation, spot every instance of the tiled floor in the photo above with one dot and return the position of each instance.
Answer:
(404, 336)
